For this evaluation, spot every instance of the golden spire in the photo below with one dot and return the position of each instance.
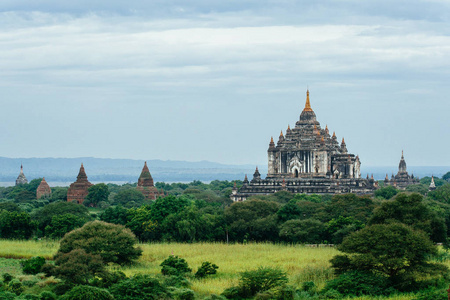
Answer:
(271, 139)
(281, 133)
(343, 142)
(334, 134)
(308, 104)
(289, 127)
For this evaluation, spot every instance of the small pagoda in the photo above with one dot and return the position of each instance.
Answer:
(43, 189)
(21, 179)
(79, 189)
(145, 185)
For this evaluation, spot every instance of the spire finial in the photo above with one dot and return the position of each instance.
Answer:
(289, 127)
(343, 142)
(334, 134)
(281, 133)
(271, 139)
(307, 104)
(402, 154)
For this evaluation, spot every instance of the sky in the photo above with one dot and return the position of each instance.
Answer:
(214, 80)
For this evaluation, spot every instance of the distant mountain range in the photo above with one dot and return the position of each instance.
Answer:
(62, 171)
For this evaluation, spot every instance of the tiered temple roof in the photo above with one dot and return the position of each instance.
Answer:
(43, 189)
(306, 159)
(79, 189)
(402, 179)
(146, 186)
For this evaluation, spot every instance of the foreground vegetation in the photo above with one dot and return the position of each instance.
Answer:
(196, 244)
(302, 264)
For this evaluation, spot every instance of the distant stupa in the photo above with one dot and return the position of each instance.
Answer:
(21, 179)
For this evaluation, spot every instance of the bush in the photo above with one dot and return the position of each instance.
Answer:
(46, 295)
(181, 294)
(278, 293)
(138, 287)
(77, 266)
(62, 288)
(33, 265)
(114, 243)
(206, 269)
(15, 286)
(173, 265)
(7, 277)
(7, 295)
(28, 297)
(359, 283)
(109, 278)
(257, 281)
(85, 292)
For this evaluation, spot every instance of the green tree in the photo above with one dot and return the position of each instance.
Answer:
(441, 194)
(410, 210)
(417, 188)
(115, 215)
(97, 193)
(446, 176)
(62, 224)
(303, 231)
(77, 266)
(15, 225)
(394, 250)
(252, 219)
(386, 192)
(163, 207)
(114, 243)
(129, 198)
(85, 292)
(9, 206)
(141, 223)
(139, 287)
(350, 205)
(58, 194)
(43, 216)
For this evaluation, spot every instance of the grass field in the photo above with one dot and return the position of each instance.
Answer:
(300, 262)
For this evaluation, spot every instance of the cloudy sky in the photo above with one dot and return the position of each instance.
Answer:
(214, 80)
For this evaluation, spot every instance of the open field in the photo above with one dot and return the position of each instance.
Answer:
(300, 262)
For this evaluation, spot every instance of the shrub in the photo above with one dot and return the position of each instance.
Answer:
(206, 269)
(5, 295)
(77, 266)
(46, 295)
(33, 265)
(15, 286)
(278, 293)
(173, 265)
(176, 281)
(62, 288)
(359, 283)
(85, 292)
(257, 281)
(114, 243)
(29, 297)
(181, 294)
(138, 287)
(109, 278)
(7, 277)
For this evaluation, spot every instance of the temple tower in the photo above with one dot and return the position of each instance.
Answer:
(43, 189)
(21, 179)
(79, 189)
(146, 186)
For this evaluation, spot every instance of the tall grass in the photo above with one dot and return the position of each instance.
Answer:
(28, 248)
(301, 263)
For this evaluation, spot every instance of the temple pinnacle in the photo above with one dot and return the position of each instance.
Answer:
(307, 104)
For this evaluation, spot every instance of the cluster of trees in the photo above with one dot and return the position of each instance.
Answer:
(203, 212)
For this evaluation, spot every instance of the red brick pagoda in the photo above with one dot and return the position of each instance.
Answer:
(43, 189)
(146, 186)
(79, 189)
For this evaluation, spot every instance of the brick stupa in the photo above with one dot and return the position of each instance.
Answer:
(146, 186)
(79, 189)
(43, 189)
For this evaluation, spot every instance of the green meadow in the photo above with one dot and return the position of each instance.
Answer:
(300, 262)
